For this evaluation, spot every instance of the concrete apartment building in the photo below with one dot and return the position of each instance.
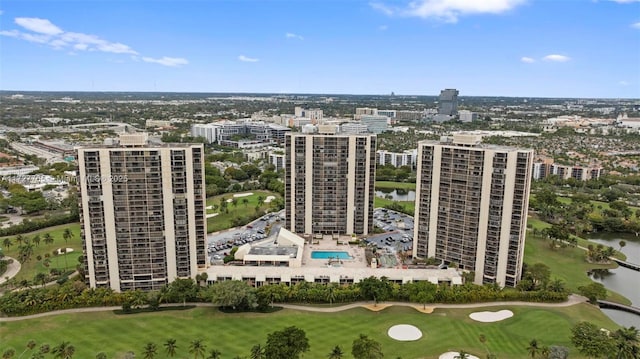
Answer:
(471, 206)
(329, 182)
(142, 213)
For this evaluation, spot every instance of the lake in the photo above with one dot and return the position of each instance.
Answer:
(396, 194)
(622, 280)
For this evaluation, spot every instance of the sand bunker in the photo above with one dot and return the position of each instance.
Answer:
(269, 199)
(489, 317)
(404, 332)
(211, 215)
(243, 194)
(452, 355)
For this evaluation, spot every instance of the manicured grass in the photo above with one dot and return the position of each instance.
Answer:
(32, 267)
(235, 334)
(568, 264)
(396, 185)
(224, 220)
(379, 202)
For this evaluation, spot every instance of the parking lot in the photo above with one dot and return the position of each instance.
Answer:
(398, 228)
(220, 243)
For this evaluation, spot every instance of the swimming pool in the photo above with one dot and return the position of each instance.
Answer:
(330, 254)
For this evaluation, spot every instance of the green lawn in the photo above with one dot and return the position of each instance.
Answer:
(395, 185)
(379, 202)
(29, 269)
(235, 334)
(223, 220)
(568, 264)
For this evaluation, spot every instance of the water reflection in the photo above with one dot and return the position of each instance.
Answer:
(396, 194)
(621, 280)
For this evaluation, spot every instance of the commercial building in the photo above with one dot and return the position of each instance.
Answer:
(467, 116)
(448, 102)
(471, 206)
(142, 212)
(376, 124)
(329, 182)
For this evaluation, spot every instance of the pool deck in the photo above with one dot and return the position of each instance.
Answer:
(357, 253)
(345, 270)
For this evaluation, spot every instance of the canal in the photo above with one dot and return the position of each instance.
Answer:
(622, 280)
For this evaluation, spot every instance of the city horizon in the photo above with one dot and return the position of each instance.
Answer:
(19, 92)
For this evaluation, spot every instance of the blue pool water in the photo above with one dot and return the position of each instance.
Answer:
(330, 254)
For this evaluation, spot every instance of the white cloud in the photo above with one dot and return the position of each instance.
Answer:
(636, 25)
(527, 60)
(43, 31)
(42, 26)
(449, 10)
(383, 27)
(247, 59)
(290, 35)
(167, 61)
(382, 8)
(556, 58)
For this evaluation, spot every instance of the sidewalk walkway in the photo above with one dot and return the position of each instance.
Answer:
(12, 270)
(573, 300)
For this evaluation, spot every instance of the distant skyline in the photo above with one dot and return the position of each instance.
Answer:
(520, 48)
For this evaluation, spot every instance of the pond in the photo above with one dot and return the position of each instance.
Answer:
(622, 280)
(396, 194)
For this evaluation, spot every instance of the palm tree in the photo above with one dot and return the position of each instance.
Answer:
(245, 201)
(7, 242)
(19, 239)
(9, 353)
(101, 355)
(622, 244)
(627, 341)
(214, 354)
(170, 347)
(257, 352)
(64, 351)
(47, 238)
(30, 345)
(336, 353)
(40, 278)
(150, 351)
(533, 348)
(67, 235)
(197, 348)
(36, 239)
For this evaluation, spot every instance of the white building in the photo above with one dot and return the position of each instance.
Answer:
(397, 159)
(467, 116)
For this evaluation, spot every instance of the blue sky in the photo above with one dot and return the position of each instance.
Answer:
(545, 48)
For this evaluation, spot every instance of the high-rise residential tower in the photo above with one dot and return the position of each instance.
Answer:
(142, 213)
(471, 206)
(329, 183)
(448, 102)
